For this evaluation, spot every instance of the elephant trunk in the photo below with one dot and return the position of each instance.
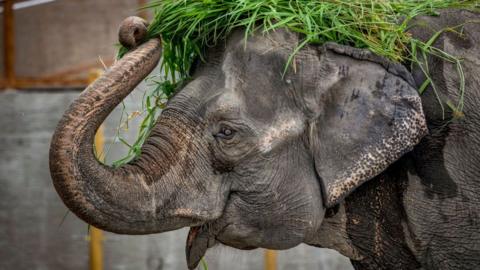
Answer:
(159, 191)
(102, 196)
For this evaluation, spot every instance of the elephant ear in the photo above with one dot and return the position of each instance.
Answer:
(368, 114)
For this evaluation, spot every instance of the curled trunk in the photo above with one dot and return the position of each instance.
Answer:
(104, 197)
(121, 200)
(165, 188)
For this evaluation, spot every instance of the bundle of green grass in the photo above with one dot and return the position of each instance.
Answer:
(188, 27)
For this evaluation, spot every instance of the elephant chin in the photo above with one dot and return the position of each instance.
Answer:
(200, 239)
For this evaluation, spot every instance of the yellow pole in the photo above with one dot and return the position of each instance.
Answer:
(270, 259)
(96, 249)
(96, 235)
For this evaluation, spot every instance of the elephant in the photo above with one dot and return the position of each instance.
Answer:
(339, 152)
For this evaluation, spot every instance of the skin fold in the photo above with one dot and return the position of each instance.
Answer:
(340, 152)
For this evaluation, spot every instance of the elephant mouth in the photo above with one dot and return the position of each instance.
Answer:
(198, 241)
(201, 238)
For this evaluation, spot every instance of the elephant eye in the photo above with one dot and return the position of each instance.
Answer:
(225, 133)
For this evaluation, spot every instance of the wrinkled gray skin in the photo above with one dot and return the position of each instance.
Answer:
(423, 211)
(248, 158)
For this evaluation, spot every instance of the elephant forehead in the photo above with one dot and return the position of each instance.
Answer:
(231, 72)
(228, 100)
(282, 129)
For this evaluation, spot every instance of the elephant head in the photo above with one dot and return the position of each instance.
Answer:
(244, 155)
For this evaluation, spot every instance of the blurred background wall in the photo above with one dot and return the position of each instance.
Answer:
(61, 39)
(49, 49)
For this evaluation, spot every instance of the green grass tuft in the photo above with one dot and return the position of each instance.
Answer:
(189, 27)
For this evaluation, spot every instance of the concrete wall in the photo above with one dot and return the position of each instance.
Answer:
(32, 233)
